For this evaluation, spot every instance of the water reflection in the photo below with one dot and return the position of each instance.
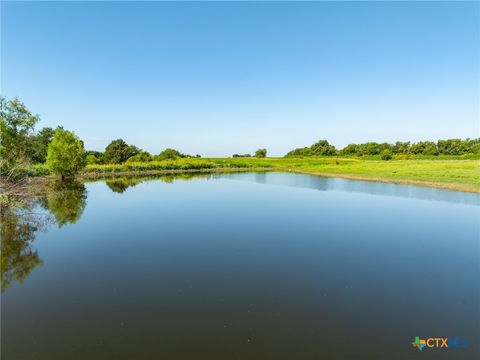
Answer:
(18, 230)
(121, 184)
(64, 202)
(220, 269)
(358, 186)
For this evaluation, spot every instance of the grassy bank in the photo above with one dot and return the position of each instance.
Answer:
(454, 174)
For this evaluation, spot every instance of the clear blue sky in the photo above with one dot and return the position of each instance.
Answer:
(220, 78)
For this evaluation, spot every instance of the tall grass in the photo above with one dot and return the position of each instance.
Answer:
(179, 164)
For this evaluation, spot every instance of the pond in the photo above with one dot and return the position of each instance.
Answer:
(240, 266)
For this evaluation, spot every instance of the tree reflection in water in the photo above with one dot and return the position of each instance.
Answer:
(18, 229)
(61, 202)
(66, 201)
(121, 184)
(20, 223)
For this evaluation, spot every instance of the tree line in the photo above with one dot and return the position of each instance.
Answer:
(260, 153)
(61, 150)
(386, 150)
(119, 152)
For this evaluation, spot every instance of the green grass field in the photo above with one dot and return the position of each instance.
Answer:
(455, 174)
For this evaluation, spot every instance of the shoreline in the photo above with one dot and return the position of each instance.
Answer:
(423, 183)
(113, 174)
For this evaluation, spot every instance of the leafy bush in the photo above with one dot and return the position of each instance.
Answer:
(320, 148)
(92, 159)
(65, 156)
(386, 155)
(169, 154)
(143, 156)
(118, 151)
(261, 153)
(37, 145)
(424, 148)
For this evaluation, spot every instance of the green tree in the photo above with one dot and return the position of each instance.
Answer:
(169, 154)
(143, 156)
(320, 148)
(65, 156)
(37, 146)
(118, 151)
(473, 145)
(424, 148)
(16, 123)
(323, 148)
(386, 154)
(93, 157)
(452, 147)
(306, 151)
(261, 153)
(371, 148)
(351, 149)
(401, 147)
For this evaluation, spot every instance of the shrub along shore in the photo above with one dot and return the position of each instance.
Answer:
(452, 173)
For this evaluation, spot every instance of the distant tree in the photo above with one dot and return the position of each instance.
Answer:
(401, 147)
(385, 146)
(351, 149)
(386, 154)
(452, 147)
(65, 155)
(424, 148)
(261, 153)
(198, 156)
(143, 156)
(16, 124)
(93, 157)
(118, 151)
(320, 148)
(92, 160)
(371, 148)
(323, 148)
(169, 154)
(306, 151)
(241, 155)
(444, 147)
(37, 145)
(473, 145)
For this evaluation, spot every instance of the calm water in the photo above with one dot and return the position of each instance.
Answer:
(240, 266)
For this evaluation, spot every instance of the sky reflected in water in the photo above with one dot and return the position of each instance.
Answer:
(242, 266)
